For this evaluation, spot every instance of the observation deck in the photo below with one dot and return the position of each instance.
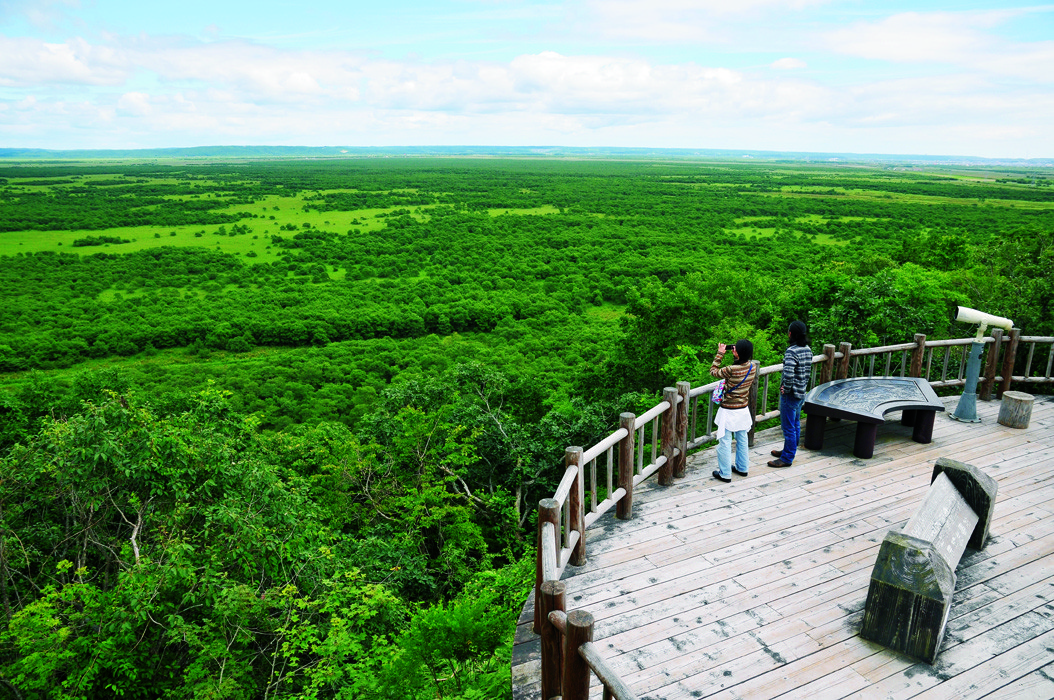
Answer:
(755, 589)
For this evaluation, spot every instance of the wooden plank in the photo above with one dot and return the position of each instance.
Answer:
(993, 566)
(1032, 572)
(1000, 610)
(960, 658)
(1037, 685)
(991, 675)
(673, 617)
(785, 640)
(803, 671)
(685, 655)
(836, 684)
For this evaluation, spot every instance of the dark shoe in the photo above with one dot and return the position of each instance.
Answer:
(776, 453)
(778, 463)
(717, 475)
(736, 471)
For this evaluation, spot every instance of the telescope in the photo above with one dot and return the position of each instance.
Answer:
(964, 314)
(966, 410)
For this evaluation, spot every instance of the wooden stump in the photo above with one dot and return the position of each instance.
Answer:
(1015, 410)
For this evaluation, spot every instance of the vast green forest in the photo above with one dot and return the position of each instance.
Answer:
(275, 429)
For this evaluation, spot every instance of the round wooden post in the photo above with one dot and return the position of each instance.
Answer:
(577, 516)
(1008, 361)
(917, 355)
(576, 670)
(548, 512)
(682, 429)
(553, 597)
(624, 508)
(991, 362)
(1015, 410)
(843, 367)
(669, 422)
(827, 368)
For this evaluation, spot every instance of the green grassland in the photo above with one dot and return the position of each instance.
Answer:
(267, 216)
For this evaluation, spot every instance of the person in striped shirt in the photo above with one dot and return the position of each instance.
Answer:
(733, 418)
(797, 363)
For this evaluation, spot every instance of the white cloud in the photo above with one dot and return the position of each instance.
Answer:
(673, 21)
(44, 14)
(913, 36)
(136, 103)
(146, 91)
(25, 61)
(961, 39)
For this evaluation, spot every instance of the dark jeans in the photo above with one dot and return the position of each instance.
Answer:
(790, 421)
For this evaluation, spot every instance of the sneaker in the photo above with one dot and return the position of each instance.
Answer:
(736, 471)
(778, 463)
(776, 453)
(726, 479)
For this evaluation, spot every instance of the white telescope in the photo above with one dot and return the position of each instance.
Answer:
(964, 314)
(966, 410)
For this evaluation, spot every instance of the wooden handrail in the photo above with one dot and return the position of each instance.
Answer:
(612, 683)
(882, 349)
(602, 446)
(566, 484)
(550, 559)
(704, 389)
(651, 414)
(678, 410)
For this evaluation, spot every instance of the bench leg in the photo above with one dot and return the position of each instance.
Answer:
(923, 430)
(908, 417)
(814, 426)
(864, 447)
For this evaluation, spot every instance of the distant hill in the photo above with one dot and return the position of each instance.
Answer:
(247, 152)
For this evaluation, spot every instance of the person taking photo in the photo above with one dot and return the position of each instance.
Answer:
(733, 417)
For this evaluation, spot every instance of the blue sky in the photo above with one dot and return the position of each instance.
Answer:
(966, 78)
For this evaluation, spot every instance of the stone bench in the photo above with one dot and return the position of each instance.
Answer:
(867, 400)
(913, 581)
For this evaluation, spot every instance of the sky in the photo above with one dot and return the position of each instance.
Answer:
(970, 77)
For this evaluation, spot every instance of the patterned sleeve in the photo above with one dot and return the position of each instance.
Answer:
(716, 370)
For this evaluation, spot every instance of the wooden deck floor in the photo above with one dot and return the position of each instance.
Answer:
(755, 589)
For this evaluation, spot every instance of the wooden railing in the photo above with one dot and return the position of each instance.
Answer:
(658, 441)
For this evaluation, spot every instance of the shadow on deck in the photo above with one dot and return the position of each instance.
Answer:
(755, 589)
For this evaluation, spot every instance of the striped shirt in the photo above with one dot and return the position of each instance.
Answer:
(797, 364)
(738, 397)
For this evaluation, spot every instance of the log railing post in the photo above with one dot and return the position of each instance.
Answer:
(548, 512)
(576, 670)
(669, 421)
(576, 512)
(624, 508)
(553, 597)
(843, 367)
(682, 429)
(918, 353)
(991, 362)
(1009, 356)
(827, 368)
